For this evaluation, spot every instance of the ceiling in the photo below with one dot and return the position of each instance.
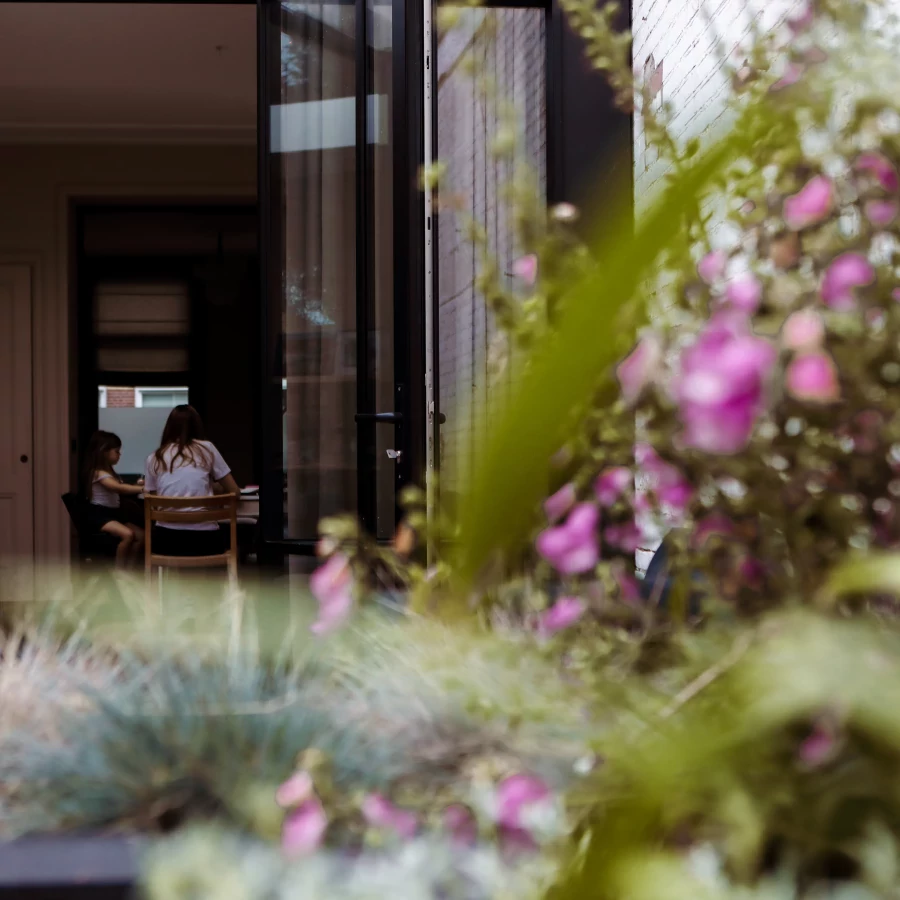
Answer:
(127, 72)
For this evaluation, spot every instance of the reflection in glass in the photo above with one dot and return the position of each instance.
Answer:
(313, 142)
(466, 124)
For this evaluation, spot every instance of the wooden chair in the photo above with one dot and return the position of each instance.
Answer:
(184, 511)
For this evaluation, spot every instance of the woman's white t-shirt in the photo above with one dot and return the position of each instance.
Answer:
(189, 478)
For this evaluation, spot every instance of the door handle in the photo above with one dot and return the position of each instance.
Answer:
(388, 418)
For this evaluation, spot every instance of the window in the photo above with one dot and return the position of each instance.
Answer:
(101, 398)
(160, 397)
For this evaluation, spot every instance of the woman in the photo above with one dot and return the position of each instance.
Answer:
(187, 465)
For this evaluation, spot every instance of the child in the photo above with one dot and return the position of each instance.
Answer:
(103, 488)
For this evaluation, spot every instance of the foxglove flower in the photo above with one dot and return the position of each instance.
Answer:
(712, 267)
(627, 537)
(332, 586)
(671, 488)
(846, 273)
(720, 389)
(304, 828)
(810, 205)
(611, 484)
(744, 293)
(803, 330)
(461, 824)
(381, 813)
(515, 795)
(881, 212)
(881, 168)
(793, 72)
(295, 791)
(812, 377)
(558, 504)
(572, 547)
(637, 370)
(819, 747)
(563, 614)
(525, 268)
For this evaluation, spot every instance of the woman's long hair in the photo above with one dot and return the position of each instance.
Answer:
(184, 428)
(95, 460)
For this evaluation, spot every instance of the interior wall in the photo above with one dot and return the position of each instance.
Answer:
(37, 187)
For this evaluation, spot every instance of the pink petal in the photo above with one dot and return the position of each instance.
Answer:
(516, 793)
(304, 829)
(811, 204)
(847, 272)
(802, 330)
(712, 267)
(331, 577)
(744, 293)
(879, 166)
(793, 72)
(461, 824)
(334, 611)
(627, 537)
(812, 377)
(564, 613)
(629, 589)
(895, 295)
(881, 212)
(295, 790)
(558, 504)
(611, 484)
(802, 21)
(714, 523)
(525, 268)
(638, 369)
(381, 813)
(818, 748)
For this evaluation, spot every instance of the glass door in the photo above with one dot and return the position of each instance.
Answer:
(336, 436)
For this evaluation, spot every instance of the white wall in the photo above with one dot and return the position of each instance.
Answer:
(37, 185)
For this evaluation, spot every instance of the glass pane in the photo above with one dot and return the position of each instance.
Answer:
(313, 145)
(381, 340)
(468, 344)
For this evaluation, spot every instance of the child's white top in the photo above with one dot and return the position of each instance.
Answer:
(101, 495)
(189, 479)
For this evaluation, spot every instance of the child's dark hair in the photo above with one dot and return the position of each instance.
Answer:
(99, 445)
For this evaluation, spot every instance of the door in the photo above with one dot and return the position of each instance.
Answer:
(16, 488)
(339, 428)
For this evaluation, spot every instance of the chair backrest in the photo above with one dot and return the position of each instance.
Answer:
(74, 504)
(191, 511)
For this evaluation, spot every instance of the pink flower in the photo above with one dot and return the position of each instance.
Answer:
(793, 72)
(629, 589)
(332, 586)
(525, 268)
(304, 828)
(558, 504)
(881, 212)
(714, 523)
(752, 572)
(811, 204)
(611, 484)
(296, 790)
(803, 330)
(847, 272)
(720, 389)
(564, 613)
(515, 795)
(812, 377)
(636, 371)
(881, 168)
(381, 813)
(572, 548)
(627, 537)
(818, 748)
(744, 293)
(672, 489)
(895, 295)
(712, 267)
(802, 21)
(461, 824)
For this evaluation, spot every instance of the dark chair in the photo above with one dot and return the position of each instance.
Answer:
(93, 545)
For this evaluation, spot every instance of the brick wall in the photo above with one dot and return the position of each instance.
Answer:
(680, 38)
(119, 398)
(466, 125)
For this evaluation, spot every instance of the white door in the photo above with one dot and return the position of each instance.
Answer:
(16, 451)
